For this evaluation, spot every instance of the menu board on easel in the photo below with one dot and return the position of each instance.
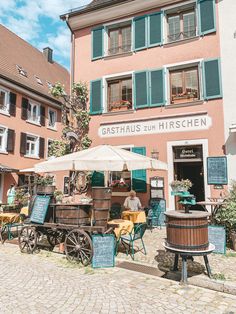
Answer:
(156, 187)
(103, 251)
(39, 209)
(217, 170)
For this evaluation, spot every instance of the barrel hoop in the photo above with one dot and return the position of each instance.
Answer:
(188, 247)
(186, 227)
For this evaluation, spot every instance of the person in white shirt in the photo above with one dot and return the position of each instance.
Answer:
(132, 202)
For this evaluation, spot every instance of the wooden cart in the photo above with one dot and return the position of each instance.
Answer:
(71, 224)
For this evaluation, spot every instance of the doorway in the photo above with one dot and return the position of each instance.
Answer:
(188, 164)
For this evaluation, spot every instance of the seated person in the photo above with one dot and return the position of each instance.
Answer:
(132, 202)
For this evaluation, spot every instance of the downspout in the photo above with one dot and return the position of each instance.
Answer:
(72, 53)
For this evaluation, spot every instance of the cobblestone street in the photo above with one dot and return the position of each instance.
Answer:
(47, 283)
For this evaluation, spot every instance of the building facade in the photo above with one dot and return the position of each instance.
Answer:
(227, 23)
(154, 73)
(30, 118)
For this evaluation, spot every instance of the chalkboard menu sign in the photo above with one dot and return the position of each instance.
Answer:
(103, 251)
(217, 170)
(217, 236)
(39, 209)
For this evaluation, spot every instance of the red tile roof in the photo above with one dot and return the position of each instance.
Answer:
(14, 51)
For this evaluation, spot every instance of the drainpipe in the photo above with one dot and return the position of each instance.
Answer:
(72, 52)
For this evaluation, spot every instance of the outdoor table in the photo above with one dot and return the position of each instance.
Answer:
(214, 206)
(9, 218)
(123, 225)
(136, 217)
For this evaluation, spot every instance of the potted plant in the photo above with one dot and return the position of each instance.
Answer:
(226, 215)
(181, 185)
(58, 196)
(45, 185)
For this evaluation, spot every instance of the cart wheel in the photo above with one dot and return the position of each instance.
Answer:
(27, 240)
(79, 247)
(55, 237)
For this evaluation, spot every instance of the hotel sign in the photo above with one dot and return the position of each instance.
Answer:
(156, 126)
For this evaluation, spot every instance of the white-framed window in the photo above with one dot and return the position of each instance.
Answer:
(52, 118)
(4, 100)
(118, 93)
(181, 22)
(34, 112)
(118, 38)
(3, 139)
(184, 83)
(32, 145)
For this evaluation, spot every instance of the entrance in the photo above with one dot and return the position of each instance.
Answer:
(188, 164)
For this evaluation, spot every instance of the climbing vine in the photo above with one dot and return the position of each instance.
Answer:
(75, 118)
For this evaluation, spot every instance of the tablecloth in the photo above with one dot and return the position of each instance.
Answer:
(123, 225)
(136, 217)
(6, 218)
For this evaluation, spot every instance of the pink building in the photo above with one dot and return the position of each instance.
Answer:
(153, 68)
(30, 118)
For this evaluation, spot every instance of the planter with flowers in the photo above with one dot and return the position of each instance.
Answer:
(119, 185)
(181, 186)
(58, 196)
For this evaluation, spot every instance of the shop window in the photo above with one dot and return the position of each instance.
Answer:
(184, 85)
(52, 118)
(119, 39)
(120, 94)
(181, 25)
(34, 112)
(32, 146)
(3, 139)
(4, 97)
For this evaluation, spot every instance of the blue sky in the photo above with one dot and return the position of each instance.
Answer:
(38, 22)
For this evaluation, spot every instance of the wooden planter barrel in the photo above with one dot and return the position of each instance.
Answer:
(101, 205)
(72, 215)
(187, 231)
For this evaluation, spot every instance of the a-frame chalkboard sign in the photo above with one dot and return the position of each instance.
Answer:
(40, 208)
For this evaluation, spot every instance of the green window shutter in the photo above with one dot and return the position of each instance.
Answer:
(96, 97)
(139, 177)
(157, 87)
(97, 43)
(207, 16)
(97, 179)
(141, 89)
(155, 34)
(140, 32)
(212, 79)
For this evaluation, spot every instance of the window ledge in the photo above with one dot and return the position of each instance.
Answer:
(51, 128)
(5, 113)
(115, 113)
(4, 152)
(32, 157)
(185, 104)
(32, 122)
(118, 55)
(174, 43)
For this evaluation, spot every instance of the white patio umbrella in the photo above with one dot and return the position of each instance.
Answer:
(100, 158)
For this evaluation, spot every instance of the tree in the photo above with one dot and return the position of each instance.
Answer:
(75, 119)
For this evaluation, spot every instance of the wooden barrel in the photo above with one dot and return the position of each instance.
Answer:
(72, 215)
(101, 205)
(187, 231)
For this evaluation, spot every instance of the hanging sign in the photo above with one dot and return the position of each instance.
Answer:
(188, 152)
(103, 251)
(217, 171)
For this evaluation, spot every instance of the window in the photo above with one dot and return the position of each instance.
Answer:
(120, 94)
(184, 85)
(121, 180)
(3, 139)
(119, 39)
(21, 71)
(52, 118)
(181, 25)
(4, 100)
(34, 112)
(32, 146)
(38, 80)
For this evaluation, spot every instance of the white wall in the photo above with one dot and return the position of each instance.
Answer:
(227, 22)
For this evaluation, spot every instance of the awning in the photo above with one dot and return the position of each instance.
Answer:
(232, 128)
(7, 169)
(27, 170)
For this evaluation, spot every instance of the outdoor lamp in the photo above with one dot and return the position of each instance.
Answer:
(155, 153)
(125, 168)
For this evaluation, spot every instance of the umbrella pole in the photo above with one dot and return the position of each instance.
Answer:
(106, 178)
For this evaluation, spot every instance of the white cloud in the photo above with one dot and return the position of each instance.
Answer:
(26, 29)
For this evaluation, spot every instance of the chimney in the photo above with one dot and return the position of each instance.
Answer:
(47, 52)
